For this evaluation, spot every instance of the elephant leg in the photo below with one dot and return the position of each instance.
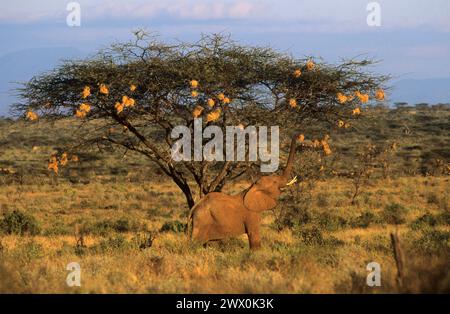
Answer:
(254, 239)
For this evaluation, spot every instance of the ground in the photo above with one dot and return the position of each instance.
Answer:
(132, 218)
(119, 217)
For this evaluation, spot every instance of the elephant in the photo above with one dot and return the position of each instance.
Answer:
(218, 215)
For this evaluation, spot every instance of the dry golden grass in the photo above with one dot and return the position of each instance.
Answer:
(112, 261)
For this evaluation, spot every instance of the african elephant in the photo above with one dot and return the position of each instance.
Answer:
(218, 215)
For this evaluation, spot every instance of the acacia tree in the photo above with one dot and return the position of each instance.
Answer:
(147, 87)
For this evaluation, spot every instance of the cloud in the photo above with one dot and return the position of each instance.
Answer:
(209, 10)
(308, 15)
(132, 9)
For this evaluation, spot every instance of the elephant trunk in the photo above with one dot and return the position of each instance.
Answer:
(290, 162)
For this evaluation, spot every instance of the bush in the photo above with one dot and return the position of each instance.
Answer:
(124, 225)
(293, 211)
(112, 244)
(423, 221)
(430, 220)
(107, 226)
(144, 241)
(444, 218)
(331, 222)
(364, 220)
(173, 226)
(20, 223)
(58, 228)
(322, 200)
(434, 242)
(26, 250)
(311, 236)
(31, 250)
(291, 217)
(394, 214)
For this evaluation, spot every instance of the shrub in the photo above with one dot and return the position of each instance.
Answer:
(28, 250)
(430, 220)
(311, 236)
(364, 220)
(322, 200)
(123, 225)
(378, 243)
(20, 223)
(444, 218)
(173, 226)
(425, 220)
(112, 244)
(144, 241)
(333, 241)
(293, 210)
(394, 214)
(58, 228)
(107, 226)
(331, 222)
(434, 242)
(291, 217)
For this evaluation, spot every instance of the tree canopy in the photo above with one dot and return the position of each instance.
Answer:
(132, 94)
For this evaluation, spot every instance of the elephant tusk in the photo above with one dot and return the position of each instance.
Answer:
(292, 181)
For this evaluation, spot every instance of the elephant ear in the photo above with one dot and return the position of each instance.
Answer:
(258, 200)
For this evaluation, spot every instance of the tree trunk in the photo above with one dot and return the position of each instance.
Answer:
(184, 186)
(189, 199)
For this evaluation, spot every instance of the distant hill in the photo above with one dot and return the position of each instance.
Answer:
(20, 66)
(415, 91)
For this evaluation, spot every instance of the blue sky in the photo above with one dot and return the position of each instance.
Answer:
(413, 40)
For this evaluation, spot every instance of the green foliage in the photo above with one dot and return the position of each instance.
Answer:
(394, 214)
(433, 241)
(112, 244)
(256, 81)
(311, 236)
(28, 250)
(17, 222)
(144, 241)
(380, 243)
(294, 209)
(322, 200)
(364, 220)
(173, 226)
(427, 220)
(107, 226)
(331, 222)
(58, 228)
(292, 217)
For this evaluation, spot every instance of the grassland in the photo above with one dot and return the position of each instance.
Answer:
(132, 222)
